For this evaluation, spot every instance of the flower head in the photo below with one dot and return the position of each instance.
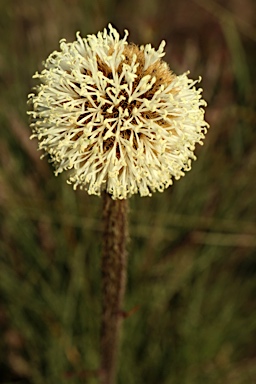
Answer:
(115, 116)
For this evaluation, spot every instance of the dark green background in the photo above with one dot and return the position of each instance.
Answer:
(192, 264)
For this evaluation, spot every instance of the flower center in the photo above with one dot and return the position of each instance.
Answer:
(118, 106)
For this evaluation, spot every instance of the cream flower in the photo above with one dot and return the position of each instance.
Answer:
(115, 116)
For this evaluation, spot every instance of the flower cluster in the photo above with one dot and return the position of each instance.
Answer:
(115, 116)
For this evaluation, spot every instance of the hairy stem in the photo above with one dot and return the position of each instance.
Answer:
(114, 259)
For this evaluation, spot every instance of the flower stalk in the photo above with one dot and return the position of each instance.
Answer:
(114, 261)
(119, 122)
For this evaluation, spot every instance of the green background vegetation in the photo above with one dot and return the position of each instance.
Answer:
(192, 264)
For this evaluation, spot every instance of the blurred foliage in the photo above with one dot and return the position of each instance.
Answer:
(192, 264)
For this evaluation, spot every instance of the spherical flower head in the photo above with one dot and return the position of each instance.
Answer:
(115, 117)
